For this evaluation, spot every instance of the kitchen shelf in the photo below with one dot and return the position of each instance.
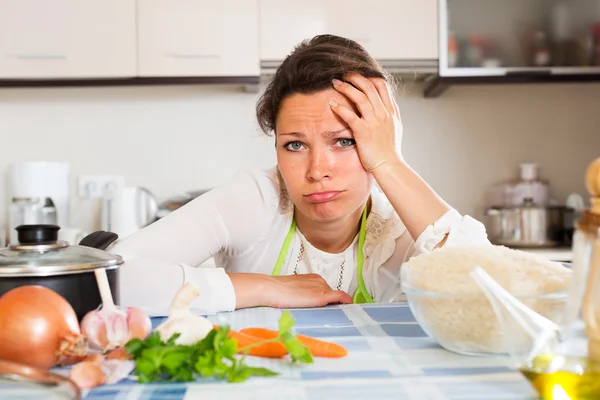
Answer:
(217, 80)
(436, 85)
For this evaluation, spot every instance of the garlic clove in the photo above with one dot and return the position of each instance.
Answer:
(94, 328)
(120, 353)
(191, 329)
(105, 329)
(117, 330)
(138, 323)
(87, 375)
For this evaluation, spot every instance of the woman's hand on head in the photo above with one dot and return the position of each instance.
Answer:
(378, 129)
(304, 290)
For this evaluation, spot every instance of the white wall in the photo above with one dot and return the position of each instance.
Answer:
(177, 138)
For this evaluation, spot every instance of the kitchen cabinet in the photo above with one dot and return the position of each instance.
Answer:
(67, 39)
(198, 38)
(388, 29)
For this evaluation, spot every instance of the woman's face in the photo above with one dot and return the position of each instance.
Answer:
(317, 157)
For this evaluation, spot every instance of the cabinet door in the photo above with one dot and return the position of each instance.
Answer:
(284, 24)
(388, 29)
(198, 38)
(67, 39)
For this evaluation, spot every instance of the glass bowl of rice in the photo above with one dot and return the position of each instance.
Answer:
(453, 310)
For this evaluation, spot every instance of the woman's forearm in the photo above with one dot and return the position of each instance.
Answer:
(288, 291)
(250, 289)
(417, 205)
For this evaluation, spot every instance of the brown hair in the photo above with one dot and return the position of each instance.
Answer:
(310, 68)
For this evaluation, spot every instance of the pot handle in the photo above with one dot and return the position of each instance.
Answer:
(99, 239)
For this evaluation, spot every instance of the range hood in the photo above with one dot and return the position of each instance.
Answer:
(516, 41)
(414, 70)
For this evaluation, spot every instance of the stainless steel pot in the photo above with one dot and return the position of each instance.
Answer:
(39, 258)
(528, 225)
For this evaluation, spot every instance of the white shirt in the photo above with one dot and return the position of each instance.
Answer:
(243, 226)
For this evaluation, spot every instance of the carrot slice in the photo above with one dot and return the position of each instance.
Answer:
(267, 350)
(317, 348)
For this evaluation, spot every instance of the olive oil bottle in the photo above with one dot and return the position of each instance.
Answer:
(574, 378)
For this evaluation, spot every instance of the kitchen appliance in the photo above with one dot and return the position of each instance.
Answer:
(527, 225)
(528, 187)
(39, 258)
(128, 210)
(178, 201)
(38, 194)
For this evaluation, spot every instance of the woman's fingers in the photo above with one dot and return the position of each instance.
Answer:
(355, 123)
(356, 96)
(385, 94)
(337, 296)
(367, 87)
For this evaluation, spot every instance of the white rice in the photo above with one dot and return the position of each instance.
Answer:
(454, 310)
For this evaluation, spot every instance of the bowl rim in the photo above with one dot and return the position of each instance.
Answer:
(408, 289)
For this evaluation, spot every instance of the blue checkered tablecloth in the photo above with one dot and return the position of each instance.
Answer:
(390, 357)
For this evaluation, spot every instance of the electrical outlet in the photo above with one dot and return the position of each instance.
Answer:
(94, 186)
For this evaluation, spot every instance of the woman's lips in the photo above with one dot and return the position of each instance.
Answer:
(323, 197)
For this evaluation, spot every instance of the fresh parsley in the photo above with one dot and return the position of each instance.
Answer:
(215, 356)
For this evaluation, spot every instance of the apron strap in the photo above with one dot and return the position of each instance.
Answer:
(362, 294)
(284, 249)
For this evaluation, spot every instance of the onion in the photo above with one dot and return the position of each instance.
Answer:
(38, 327)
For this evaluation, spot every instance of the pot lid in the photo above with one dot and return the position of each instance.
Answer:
(40, 253)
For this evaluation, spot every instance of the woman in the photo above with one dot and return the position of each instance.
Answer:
(316, 229)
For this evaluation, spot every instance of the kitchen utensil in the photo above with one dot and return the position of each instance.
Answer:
(38, 194)
(527, 225)
(24, 382)
(39, 258)
(128, 210)
(527, 188)
(560, 361)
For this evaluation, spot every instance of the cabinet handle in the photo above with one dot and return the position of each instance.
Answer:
(194, 55)
(41, 56)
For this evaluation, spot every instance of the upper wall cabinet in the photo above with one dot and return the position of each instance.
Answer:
(388, 29)
(198, 38)
(67, 39)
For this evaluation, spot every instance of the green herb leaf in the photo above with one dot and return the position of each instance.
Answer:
(174, 360)
(134, 347)
(261, 371)
(286, 322)
(145, 369)
(172, 339)
(297, 350)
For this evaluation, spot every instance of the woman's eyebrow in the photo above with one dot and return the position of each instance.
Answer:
(330, 134)
(327, 133)
(297, 134)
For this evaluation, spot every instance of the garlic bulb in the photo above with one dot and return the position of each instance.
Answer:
(110, 326)
(191, 328)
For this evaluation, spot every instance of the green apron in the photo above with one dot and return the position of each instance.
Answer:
(361, 295)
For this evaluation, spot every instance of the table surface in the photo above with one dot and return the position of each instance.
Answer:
(390, 357)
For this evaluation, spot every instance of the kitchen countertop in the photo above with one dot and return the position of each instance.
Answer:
(390, 357)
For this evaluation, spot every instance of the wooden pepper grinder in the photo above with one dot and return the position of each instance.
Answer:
(588, 230)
